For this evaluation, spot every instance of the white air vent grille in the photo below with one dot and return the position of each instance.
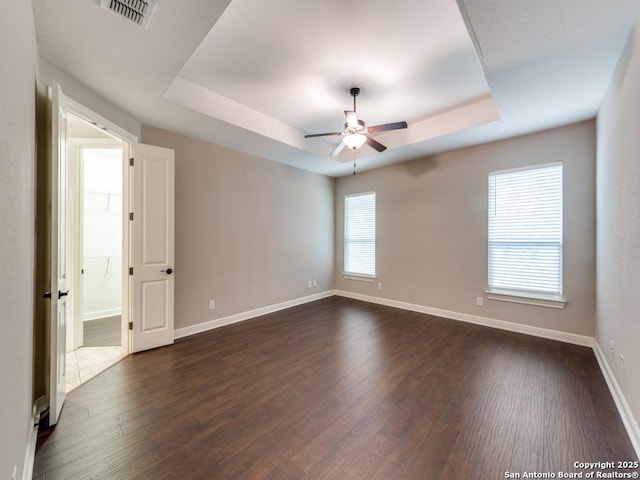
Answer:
(136, 11)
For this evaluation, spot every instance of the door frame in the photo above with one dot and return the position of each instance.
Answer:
(55, 350)
(76, 169)
(127, 139)
(57, 337)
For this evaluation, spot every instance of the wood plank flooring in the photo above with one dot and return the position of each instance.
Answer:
(339, 389)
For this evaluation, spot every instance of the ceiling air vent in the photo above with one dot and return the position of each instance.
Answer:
(136, 11)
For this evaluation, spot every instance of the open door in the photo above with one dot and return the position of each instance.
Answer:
(59, 291)
(149, 250)
(151, 272)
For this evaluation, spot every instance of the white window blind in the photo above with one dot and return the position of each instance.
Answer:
(525, 230)
(360, 234)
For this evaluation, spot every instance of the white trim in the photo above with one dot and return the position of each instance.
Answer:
(99, 121)
(526, 298)
(566, 337)
(240, 317)
(360, 194)
(359, 277)
(353, 275)
(79, 142)
(629, 421)
(127, 195)
(30, 452)
(506, 231)
(526, 167)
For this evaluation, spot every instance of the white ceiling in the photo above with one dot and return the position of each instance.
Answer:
(257, 76)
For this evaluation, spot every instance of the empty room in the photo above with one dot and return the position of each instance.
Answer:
(320, 240)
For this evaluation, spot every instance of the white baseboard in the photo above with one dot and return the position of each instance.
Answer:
(573, 338)
(630, 423)
(464, 317)
(240, 317)
(30, 453)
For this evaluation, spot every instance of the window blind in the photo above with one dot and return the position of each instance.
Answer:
(525, 230)
(360, 234)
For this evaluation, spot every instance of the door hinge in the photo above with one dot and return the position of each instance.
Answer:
(130, 270)
(131, 161)
(131, 216)
(130, 325)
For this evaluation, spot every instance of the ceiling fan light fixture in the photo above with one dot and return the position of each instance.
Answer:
(355, 133)
(355, 140)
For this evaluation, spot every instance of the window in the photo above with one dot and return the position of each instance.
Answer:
(360, 234)
(525, 232)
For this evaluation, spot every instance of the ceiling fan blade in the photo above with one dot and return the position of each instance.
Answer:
(352, 118)
(375, 144)
(338, 149)
(322, 134)
(387, 126)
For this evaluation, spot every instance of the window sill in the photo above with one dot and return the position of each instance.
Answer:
(539, 300)
(361, 278)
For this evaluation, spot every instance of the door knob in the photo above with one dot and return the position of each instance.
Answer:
(168, 271)
(62, 294)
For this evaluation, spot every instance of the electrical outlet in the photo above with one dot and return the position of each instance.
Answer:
(612, 346)
(621, 361)
(309, 283)
(315, 283)
(479, 301)
(379, 285)
(212, 304)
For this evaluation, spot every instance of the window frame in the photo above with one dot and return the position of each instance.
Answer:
(362, 276)
(515, 295)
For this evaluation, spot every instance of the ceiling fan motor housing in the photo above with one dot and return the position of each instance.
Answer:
(359, 129)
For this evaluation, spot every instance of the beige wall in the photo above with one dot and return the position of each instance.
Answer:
(249, 232)
(18, 62)
(432, 228)
(618, 229)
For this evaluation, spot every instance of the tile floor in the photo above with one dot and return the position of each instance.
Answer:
(86, 362)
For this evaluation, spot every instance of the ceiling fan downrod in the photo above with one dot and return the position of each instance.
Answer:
(354, 91)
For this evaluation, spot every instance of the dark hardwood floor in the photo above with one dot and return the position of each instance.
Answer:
(339, 389)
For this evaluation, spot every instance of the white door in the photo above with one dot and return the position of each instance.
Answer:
(58, 253)
(152, 276)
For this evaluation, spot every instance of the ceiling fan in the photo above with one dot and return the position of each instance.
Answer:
(355, 132)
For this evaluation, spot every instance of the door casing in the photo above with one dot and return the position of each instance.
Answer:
(61, 106)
